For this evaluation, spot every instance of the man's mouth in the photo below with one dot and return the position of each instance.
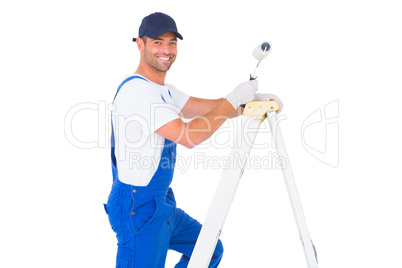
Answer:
(165, 59)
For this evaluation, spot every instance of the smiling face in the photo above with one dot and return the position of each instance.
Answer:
(160, 53)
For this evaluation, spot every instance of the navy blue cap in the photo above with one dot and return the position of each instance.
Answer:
(156, 24)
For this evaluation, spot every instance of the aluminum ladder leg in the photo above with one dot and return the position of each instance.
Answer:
(230, 179)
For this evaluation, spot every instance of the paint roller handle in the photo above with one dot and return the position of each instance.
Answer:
(259, 53)
(251, 79)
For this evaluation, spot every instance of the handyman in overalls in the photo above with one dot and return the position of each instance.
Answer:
(147, 124)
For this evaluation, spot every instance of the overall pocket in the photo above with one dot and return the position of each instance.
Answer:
(115, 216)
(143, 214)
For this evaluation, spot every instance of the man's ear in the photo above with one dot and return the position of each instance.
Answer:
(140, 44)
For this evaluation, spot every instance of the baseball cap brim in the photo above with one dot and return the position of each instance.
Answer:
(159, 34)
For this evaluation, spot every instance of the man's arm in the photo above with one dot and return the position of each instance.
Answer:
(198, 107)
(213, 113)
(199, 129)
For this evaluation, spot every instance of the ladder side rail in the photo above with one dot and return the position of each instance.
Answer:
(308, 247)
(223, 197)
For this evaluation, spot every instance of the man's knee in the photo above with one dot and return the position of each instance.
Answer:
(218, 250)
(217, 256)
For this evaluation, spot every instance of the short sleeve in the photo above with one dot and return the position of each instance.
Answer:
(179, 98)
(147, 103)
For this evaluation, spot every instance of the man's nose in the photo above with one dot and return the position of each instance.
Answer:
(166, 49)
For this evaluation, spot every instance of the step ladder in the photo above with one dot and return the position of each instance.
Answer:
(226, 189)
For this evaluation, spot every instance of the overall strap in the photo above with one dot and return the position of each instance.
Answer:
(126, 80)
(113, 156)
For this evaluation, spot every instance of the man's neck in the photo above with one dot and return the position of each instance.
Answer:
(151, 75)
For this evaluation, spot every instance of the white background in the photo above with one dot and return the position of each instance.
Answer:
(59, 54)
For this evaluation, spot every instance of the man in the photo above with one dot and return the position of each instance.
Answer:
(146, 126)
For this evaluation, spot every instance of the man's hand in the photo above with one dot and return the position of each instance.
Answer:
(268, 97)
(243, 93)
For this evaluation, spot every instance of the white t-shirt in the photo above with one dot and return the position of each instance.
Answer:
(140, 108)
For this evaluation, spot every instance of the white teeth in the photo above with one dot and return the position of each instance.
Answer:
(165, 59)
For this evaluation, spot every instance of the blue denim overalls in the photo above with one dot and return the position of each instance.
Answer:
(146, 220)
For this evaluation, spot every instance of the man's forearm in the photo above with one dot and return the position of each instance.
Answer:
(201, 128)
(197, 107)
